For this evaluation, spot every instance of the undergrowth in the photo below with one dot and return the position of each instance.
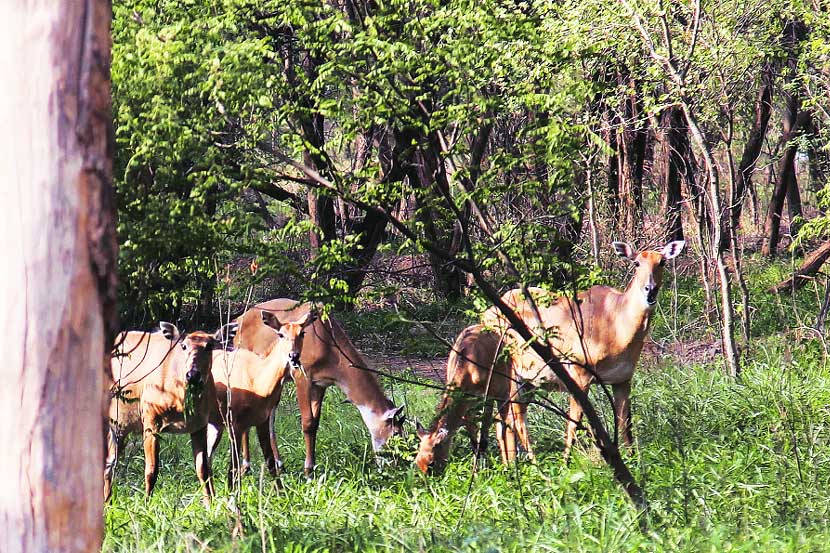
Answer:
(727, 465)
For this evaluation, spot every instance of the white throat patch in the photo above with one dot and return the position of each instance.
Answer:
(373, 423)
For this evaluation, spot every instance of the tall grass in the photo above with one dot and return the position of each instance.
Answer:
(727, 466)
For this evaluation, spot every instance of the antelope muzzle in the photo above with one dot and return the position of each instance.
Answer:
(193, 377)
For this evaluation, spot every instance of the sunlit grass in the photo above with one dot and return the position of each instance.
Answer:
(727, 466)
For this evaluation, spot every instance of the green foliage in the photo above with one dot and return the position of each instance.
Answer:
(210, 101)
(217, 102)
(177, 166)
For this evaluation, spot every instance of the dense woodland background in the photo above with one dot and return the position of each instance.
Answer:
(390, 158)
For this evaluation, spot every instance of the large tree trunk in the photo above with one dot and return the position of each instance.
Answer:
(669, 169)
(58, 302)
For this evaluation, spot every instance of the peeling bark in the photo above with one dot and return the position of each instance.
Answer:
(60, 274)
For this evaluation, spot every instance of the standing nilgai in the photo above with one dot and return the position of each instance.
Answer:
(328, 358)
(248, 388)
(164, 384)
(598, 335)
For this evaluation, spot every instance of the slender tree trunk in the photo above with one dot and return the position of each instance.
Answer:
(676, 166)
(786, 186)
(730, 352)
(737, 262)
(752, 150)
(712, 192)
(818, 158)
(320, 206)
(632, 146)
(58, 301)
(371, 231)
(613, 185)
(425, 169)
(438, 227)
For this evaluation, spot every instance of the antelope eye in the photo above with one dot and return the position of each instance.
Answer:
(181, 345)
(636, 263)
(280, 334)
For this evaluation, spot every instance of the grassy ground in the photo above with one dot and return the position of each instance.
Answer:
(727, 466)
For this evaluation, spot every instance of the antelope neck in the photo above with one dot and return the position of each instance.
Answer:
(272, 370)
(362, 389)
(634, 307)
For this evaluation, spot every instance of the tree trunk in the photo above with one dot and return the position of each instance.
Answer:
(371, 231)
(669, 169)
(730, 352)
(711, 200)
(805, 273)
(786, 186)
(752, 149)
(818, 159)
(320, 206)
(632, 142)
(58, 305)
(438, 227)
(425, 169)
(613, 166)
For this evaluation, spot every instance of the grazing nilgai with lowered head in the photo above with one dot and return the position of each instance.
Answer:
(476, 370)
(163, 383)
(598, 335)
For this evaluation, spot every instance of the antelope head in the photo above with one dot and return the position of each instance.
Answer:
(290, 336)
(198, 347)
(425, 458)
(648, 276)
(384, 426)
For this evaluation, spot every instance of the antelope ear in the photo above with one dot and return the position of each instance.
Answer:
(271, 320)
(420, 429)
(624, 250)
(673, 249)
(169, 331)
(225, 335)
(393, 413)
(309, 318)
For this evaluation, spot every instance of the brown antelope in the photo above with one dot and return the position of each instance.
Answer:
(328, 357)
(255, 385)
(599, 335)
(475, 370)
(152, 372)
